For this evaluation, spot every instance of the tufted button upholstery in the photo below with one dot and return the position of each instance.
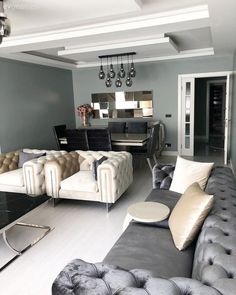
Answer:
(33, 170)
(34, 174)
(215, 254)
(82, 278)
(58, 169)
(214, 265)
(9, 161)
(114, 175)
(162, 176)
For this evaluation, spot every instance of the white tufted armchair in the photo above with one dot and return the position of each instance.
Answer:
(29, 179)
(70, 176)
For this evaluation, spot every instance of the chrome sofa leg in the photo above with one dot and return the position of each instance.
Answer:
(55, 201)
(155, 158)
(108, 207)
(149, 163)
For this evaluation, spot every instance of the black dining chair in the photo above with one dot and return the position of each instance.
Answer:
(149, 150)
(76, 140)
(136, 127)
(99, 139)
(60, 134)
(117, 127)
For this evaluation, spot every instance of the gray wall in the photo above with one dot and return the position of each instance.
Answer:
(161, 77)
(32, 99)
(233, 122)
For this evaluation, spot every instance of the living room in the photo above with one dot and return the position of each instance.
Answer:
(49, 67)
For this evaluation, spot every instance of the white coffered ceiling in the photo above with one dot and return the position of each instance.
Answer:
(71, 34)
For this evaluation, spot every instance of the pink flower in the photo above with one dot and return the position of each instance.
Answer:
(85, 110)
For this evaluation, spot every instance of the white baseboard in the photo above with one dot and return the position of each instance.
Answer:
(169, 153)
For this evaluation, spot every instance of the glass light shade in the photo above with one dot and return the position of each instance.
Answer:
(108, 82)
(101, 73)
(118, 82)
(122, 71)
(112, 73)
(132, 71)
(128, 81)
(7, 27)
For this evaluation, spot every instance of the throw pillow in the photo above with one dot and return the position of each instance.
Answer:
(187, 172)
(188, 215)
(25, 157)
(95, 165)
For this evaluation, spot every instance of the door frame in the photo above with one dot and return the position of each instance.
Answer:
(227, 75)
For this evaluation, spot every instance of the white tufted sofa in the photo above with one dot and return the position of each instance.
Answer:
(70, 176)
(29, 179)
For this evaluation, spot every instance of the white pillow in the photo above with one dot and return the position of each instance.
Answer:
(187, 172)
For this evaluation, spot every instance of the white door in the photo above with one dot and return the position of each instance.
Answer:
(186, 128)
(228, 118)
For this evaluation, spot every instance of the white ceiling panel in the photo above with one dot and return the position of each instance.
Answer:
(148, 48)
(100, 27)
(192, 39)
(223, 25)
(29, 16)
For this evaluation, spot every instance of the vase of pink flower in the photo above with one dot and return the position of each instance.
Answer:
(85, 111)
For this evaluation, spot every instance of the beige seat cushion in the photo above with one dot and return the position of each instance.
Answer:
(82, 181)
(187, 172)
(188, 215)
(12, 178)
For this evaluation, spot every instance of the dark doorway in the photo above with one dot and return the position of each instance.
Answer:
(217, 93)
(209, 117)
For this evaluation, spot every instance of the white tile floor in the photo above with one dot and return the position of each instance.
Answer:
(81, 230)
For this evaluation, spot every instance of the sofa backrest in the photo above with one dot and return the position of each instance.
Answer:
(215, 253)
(9, 161)
(47, 152)
(87, 157)
(34, 174)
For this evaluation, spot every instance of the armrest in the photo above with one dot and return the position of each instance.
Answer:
(58, 170)
(100, 278)
(194, 287)
(114, 176)
(34, 174)
(9, 161)
(162, 176)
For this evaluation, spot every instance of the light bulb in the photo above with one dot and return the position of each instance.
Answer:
(101, 73)
(122, 71)
(108, 82)
(128, 81)
(118, 82)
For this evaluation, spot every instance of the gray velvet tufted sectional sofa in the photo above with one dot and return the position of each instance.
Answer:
(148, 262)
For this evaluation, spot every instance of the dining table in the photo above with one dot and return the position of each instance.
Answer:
(121, 139)
(129, 139)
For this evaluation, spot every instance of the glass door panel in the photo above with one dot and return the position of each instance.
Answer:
(187, 117)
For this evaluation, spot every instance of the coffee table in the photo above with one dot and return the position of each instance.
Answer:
(146, 212)
(13, 208)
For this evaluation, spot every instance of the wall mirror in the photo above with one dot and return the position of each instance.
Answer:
(121, 104)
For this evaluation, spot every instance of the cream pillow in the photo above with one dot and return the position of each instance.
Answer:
(188, 215)
(187, 172)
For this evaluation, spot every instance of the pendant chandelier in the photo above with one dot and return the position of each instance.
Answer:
(121, 73)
